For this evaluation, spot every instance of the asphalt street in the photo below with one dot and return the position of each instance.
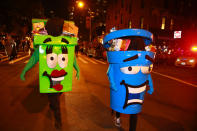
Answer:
(172, 106)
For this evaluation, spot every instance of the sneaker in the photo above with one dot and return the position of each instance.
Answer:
(117, 122)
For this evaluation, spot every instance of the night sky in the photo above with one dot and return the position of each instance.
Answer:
(60, 7)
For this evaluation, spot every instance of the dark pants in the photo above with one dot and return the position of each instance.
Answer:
(54, 104)
(133, 122)
(117, 114)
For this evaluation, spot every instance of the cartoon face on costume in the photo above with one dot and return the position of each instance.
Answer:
(129, 76)
(57, 61)
(56, 57)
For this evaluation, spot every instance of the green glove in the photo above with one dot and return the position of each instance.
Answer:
(22, 76)
(76, 68)
(32, 61)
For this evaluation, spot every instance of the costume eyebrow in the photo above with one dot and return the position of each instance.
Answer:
(65, 41)
(47, 40)
(49, 49)
(64, 50)
(131, 58)
(149, 58)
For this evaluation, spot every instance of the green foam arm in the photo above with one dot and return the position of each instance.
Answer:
(76, 68)
(32, 61)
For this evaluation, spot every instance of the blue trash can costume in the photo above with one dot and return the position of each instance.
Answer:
(129, 72)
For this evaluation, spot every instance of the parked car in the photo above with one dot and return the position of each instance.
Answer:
(91, 52)
(187, 60)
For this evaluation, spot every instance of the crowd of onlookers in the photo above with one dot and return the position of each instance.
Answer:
(11, 44)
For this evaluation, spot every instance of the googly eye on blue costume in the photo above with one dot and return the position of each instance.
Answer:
(129, 73)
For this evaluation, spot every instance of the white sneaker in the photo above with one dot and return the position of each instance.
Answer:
(117, 122)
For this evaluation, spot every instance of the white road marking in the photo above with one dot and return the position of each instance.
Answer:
(90, 60)
(4, 60)
(100, 61)
(176, 79)
(26, 61)
(81, 59)
(3, 56)
(16, 60)
(94, 61)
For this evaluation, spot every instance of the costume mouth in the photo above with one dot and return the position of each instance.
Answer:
(55, 79)
(134, 94)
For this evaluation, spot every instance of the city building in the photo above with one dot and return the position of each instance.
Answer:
(90, 19)
(161, 17)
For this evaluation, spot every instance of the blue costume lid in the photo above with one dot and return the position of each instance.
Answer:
(126, 33)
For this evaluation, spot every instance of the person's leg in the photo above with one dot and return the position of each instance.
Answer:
(112, 112)
(117, 120)
(133, 122)
(54, 104)
(117, 115)
(22, 46)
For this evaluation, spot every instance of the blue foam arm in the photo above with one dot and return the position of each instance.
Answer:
(151, 90)
(110, 75)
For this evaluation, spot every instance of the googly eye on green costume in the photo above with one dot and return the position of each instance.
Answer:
(53, 59)
(56, 57)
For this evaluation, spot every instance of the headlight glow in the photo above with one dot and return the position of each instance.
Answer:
(178, 59)
(191, 61)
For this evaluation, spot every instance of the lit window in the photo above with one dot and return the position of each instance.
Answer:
(130, 24)
(171, 24)
(71, 13)
(141, 22)
(163, 23)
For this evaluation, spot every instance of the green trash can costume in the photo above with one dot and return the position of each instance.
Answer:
(56, 56)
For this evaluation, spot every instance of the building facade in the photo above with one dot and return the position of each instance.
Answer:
(161, 17)
(90, 19)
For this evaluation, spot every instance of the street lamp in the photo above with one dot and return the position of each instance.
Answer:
(91, 16)
(80, 4)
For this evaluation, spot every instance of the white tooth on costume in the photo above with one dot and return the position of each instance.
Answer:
(58, 78)
(135, 100)
(137, 90)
